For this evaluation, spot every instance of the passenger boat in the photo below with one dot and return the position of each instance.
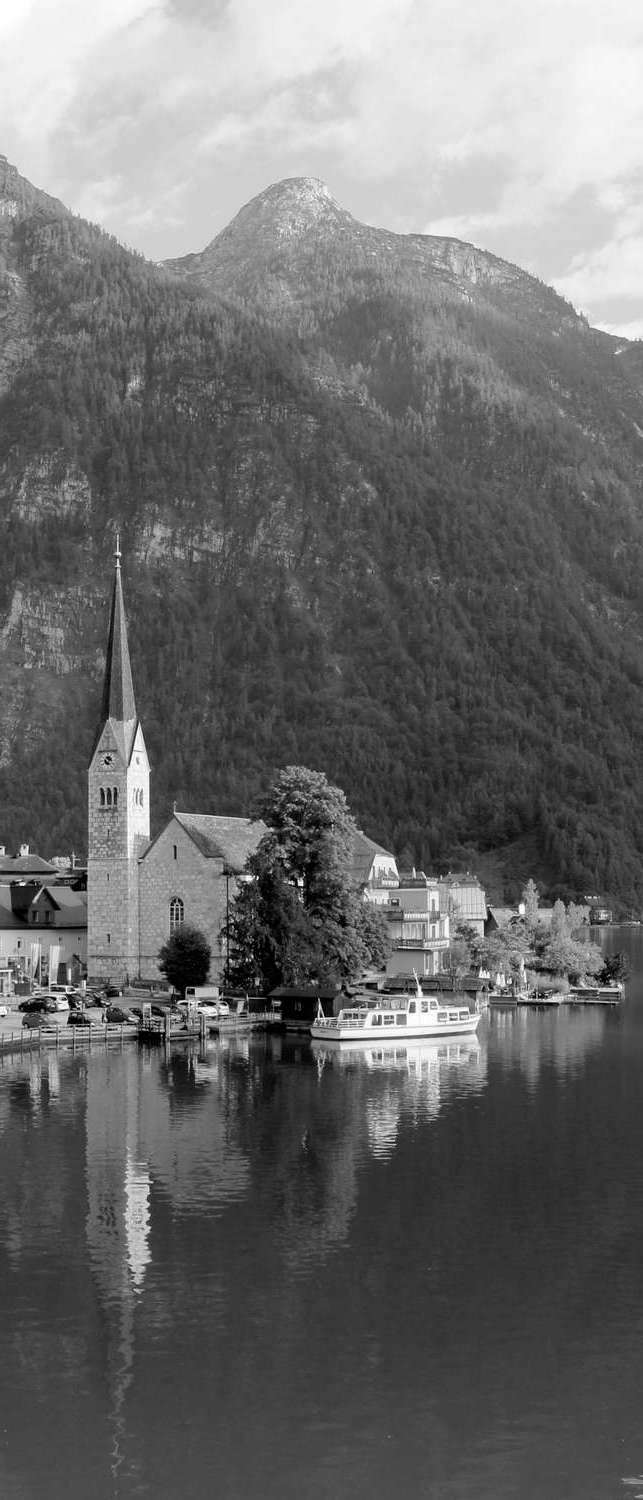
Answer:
(399, 1016)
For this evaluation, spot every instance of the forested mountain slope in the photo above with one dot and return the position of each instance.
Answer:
(381, 511)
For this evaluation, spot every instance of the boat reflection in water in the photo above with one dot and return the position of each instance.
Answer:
(416, 1077)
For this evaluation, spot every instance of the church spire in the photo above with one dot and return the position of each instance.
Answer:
(118, 705)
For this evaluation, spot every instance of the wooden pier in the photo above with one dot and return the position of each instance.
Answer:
(69, 1038)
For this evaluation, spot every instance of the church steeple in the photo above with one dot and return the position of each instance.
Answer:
(118, 705)
(118, 810)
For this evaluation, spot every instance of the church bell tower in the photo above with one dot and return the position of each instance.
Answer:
(119, 812)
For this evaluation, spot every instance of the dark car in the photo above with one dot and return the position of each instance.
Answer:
(34, 1019)
(115, 1013)
(78, 1018)
(31, 1007)
(112, 993)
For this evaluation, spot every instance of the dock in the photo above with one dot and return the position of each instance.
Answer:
(69, 1038)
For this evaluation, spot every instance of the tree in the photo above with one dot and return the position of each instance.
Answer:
(530, 898)
(185, 958)
(300, 919)
(463, 949)
(615, 970)
(560, 951)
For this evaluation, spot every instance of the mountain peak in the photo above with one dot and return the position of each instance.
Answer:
(289, 209)
(18, 196)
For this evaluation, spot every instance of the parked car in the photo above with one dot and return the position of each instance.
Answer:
(34, 1004)
(4, 1010)
(35, 1019)
(212, 1009)
(116, 1014)
(78, 1018)
(57, 1001)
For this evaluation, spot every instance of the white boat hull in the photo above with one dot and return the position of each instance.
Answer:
(450, 1021)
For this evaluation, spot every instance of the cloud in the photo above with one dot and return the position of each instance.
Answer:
(609, 276)
(515, 124)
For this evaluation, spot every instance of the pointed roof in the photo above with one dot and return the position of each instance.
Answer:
(118, 707)
(229, 839)
(364, 852)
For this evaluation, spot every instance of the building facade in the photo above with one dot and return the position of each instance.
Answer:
(190, 873)
(43, 933)
(418, 928)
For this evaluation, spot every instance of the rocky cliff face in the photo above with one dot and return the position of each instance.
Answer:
(381, 512)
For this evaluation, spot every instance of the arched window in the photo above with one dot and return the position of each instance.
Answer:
(109, 796)
(177, 913)
(102, 796)
(115, 796)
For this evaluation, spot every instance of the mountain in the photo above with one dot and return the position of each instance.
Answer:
(380, 502)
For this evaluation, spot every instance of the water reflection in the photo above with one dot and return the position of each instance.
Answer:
(416, 1077)
(222, 1265)
(562, 1038)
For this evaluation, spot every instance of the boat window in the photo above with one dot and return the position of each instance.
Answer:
(464, 1015)
(434, 1005)
(412, 1007)
(377, 1020)
(389, 1020)
(424, 1006)
(400, 1019)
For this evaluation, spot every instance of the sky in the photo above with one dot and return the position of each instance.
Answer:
(514, 124)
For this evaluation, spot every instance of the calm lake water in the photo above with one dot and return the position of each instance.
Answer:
(258, 1272)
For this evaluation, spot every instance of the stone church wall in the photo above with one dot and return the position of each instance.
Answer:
(174, 868)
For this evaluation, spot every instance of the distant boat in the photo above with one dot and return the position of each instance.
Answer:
(603, 994)
(539, 999)
(501, 999)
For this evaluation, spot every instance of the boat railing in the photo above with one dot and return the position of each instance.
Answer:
(345, 1018)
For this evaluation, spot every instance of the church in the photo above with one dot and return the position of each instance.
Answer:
(140, 890)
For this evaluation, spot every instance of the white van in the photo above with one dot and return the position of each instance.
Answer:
(202, 992)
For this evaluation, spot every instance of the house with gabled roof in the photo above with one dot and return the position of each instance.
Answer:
(465, 900)
(25, 866)
(190, 873)
(41, 926)
(373, 869)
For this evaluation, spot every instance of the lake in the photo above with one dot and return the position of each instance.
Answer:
(257, 1271)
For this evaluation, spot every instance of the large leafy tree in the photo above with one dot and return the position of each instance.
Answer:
(300, 919)
(185, 958)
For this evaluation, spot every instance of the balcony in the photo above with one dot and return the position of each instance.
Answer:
(422, 944)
